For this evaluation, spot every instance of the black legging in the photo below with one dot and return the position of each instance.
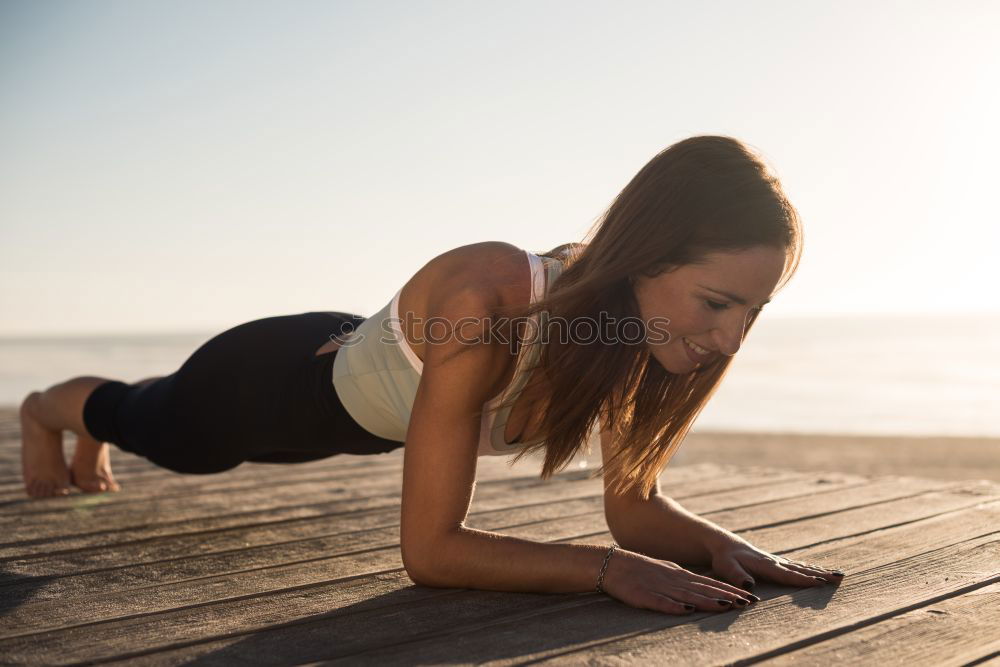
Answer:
(256, 392)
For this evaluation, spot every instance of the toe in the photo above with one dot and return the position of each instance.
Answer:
(97, 485)
(110, 483)
(90, 485)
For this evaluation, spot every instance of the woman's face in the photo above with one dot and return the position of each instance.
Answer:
(708, 304)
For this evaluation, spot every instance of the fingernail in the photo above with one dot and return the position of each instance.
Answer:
(748, 583)
(741, 602)
(837, 573)
(754, 597)
(689, 607)
(820, 580)
(724, 603)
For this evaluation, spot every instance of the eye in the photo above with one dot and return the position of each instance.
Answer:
(715, 305)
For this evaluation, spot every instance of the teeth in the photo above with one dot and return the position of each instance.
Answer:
(697, 348)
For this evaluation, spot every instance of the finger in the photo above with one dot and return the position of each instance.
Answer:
(784, 575)
(665, 603)
(721, 585)
(714, 593)
(837, 574)
(731, 571)
(823, 573)
(802, 567)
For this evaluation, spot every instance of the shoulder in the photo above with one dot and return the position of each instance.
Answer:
(466, 281)
(479, 276)
(466, 358)
(487, 262)
(474, 280)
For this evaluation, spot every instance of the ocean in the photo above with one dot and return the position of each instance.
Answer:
(876, 375)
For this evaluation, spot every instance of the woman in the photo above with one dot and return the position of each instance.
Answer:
(482, 352)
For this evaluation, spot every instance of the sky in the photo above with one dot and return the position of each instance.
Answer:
(188, 166)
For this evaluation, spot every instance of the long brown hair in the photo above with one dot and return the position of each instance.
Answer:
(700, 195)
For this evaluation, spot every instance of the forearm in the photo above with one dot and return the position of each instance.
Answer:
(472, 558)
(662, 528)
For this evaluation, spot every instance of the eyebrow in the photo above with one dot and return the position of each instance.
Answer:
(734, 297)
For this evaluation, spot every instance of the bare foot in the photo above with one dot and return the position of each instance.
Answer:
(90, 470)
(42, 463)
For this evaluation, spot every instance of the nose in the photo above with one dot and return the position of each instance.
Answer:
(727, 337)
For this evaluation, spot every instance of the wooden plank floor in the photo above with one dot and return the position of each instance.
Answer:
(300, 564)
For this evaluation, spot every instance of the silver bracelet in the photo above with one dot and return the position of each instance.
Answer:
(600, 577)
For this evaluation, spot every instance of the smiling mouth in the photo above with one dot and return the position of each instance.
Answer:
(697, 349)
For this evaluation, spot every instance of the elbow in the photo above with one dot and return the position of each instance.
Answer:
(621, 537)
(413, 565)
(424, 565)
(415, 575)
(416, 569)
(620, 525)
(424, 578)
(430, 576)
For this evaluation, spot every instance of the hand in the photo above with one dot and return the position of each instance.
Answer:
(737, 561)
(648, 583)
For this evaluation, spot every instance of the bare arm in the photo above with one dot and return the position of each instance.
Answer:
(490, 561)
(439, 467)
(662, 528)
(659, 527)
